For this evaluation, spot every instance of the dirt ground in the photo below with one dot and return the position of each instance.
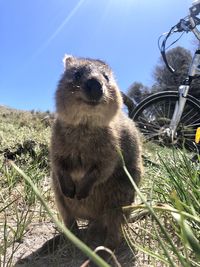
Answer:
(44, 246)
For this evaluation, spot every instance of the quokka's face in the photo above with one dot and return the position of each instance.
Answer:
(87, 91)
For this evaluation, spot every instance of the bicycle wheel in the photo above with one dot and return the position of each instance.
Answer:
(153, 116)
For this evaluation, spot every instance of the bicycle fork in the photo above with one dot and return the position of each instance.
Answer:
(193, 72)
(178, 111)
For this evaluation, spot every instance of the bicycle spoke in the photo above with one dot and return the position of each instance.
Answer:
(146, 123)
(195, 125)
(191, 117)
(169, 110)
(186, 114)
(192, 135)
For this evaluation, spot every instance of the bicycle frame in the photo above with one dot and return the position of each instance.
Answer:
(193, 71)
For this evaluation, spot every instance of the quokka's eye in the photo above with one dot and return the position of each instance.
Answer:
(78, 74)
(106, 77)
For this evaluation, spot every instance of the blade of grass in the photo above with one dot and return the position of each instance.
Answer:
(144, 250)
(163, 247)
(9, 204)
(164, 208)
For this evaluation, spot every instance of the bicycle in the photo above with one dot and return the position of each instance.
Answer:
(171, 117)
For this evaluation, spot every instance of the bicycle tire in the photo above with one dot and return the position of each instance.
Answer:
(153, 115)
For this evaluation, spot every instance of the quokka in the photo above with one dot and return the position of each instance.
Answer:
(88, 178)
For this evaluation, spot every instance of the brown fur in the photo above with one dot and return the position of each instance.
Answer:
(88, 178)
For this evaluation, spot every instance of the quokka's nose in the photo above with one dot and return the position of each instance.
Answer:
(93, 89)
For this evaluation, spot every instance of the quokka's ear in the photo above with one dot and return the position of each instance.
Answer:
(68, 60)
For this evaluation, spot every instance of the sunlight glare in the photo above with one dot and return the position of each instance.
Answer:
(60, 27)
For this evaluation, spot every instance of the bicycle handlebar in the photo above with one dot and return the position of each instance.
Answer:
(184, 25)
(195, 9)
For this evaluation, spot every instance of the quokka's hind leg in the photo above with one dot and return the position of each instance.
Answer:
(113, 221)
(64, 210)
(96, 233)
(112, 240)
(67, 216)
(97, 226)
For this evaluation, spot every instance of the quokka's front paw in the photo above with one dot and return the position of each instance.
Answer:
(84, 187)
(68, 189)
(69, 192)
(82, 193)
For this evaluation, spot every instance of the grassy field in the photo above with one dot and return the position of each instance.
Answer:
(164, 229)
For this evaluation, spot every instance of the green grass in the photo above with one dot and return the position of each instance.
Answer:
(25, 137)
(165, 229)
(173, 226)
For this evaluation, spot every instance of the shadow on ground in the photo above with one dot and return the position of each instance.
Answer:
(58, 251)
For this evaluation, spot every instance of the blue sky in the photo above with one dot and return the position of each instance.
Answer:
(35, 35)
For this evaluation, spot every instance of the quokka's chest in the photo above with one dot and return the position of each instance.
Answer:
(83, 145)
(85, 142)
